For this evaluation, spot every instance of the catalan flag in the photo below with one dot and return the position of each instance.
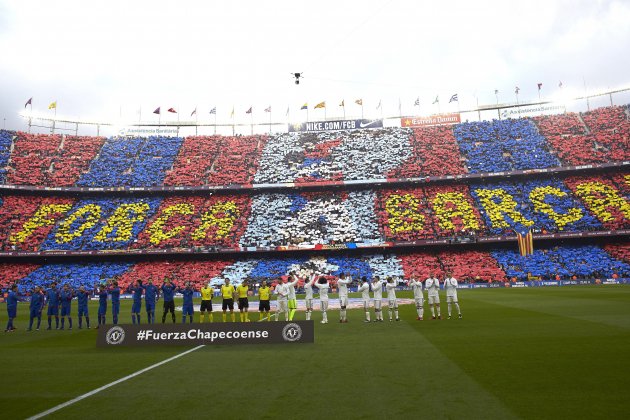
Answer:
(525, 243)
(321, 105)
(53, 105)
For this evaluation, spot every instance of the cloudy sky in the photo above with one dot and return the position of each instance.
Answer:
(110, 59)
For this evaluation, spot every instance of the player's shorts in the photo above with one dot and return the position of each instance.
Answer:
(309, 304)
(433, 299)
(150, 306)
(102, 309)
(377, 304)
(83, 311)
(65, 310)
(392, 303)
(451, 298)
(264, 306)
(135, 307)
(243, 303)
(206, 305)
(36, 313)
(53, 310)
(283, 305)
(169, 306)
(343, 301)
(228, 303)
(292, 303)
(12, 312)
(115, 308)
(419, 301)
(187, 310)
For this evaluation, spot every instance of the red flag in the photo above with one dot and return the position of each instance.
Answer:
(29, 102)
(249, 111)
(157, 110)
(172, 110)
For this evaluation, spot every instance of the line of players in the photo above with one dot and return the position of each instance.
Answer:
(59, 300)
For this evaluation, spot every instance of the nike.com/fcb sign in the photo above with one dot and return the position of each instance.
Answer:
(335, 125)
(206, 333)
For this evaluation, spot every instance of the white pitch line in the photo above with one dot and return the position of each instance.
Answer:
(109, 385)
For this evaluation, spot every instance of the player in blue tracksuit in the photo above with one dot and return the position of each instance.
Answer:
(114, 290)
(52, 300)
(65, 296)
(187, 308)
(151, 295)
(168, 291)
(136, 289)
(36, 306)
(102, 304)
(12, 300)
(83, 297)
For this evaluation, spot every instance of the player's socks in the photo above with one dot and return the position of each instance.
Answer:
(63, 321)
(173, 316)
(57, 322)
(367, 316)
(30, 324)
(459, 312)
(233, 317)
(133, 319)
(260, 315)
(224, 317)
(39, 321)
(87, 321)
(291, 314)
(246, 316)
(308, 315)
(449, 309)
(396, 313)
(241, 317)
(69, 322)
(211, 317)
(115, 319)
(49, 322)
(433, 311)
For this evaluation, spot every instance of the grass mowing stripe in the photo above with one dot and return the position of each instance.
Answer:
(104, 387)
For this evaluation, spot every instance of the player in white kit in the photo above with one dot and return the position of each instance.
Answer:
(377, 290)
(418, 296)
(342, 286)
(450, 285)
(322, 285)
(365, 295)
(282, 290)
(432, 285)
(392, 302)
(308, 295)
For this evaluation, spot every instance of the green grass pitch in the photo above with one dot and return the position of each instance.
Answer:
(517, 353)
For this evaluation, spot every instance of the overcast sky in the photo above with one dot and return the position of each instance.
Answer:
(104, 59)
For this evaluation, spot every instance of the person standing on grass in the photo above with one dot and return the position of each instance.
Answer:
(322, 285)
(432, 285)
(308, 296)
(206, 302)
(12, 301)
(365, 295)
(114, 291)
(168, 291)
(418, 296)
(102, 304)
(292, 300)
(282, 290)
(136, 289)
(243, 301)
(82, 300)
(36, 306)
(264, 294)
(342, 287)
(187, 307)
(227, 294)
(450, 285)
(151, 295)
(392, 302)
(65, 296)
(52, 299)
(377, 290)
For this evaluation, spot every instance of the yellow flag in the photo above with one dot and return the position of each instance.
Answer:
(53, 105)
(321, 105)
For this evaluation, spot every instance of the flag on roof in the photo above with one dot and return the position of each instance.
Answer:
(249, 111)
(268, 109)
(454, 98)
(437, 100)
(305, 106)
(194, 112)
(172, 111)
(213, 111)
(157, 110)
(359, 102)
(539, 86)
(417, 103)
(29, 102)
(321, 105)
(53, 105)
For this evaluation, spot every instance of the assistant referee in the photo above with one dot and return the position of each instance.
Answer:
(227, 293)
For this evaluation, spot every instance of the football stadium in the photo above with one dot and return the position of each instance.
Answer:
(293, 241)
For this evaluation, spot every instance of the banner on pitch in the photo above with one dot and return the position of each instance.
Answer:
(209, 334)
(440, 119)
(335, 125)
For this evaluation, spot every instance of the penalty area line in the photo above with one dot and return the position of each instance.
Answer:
(111, 384)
